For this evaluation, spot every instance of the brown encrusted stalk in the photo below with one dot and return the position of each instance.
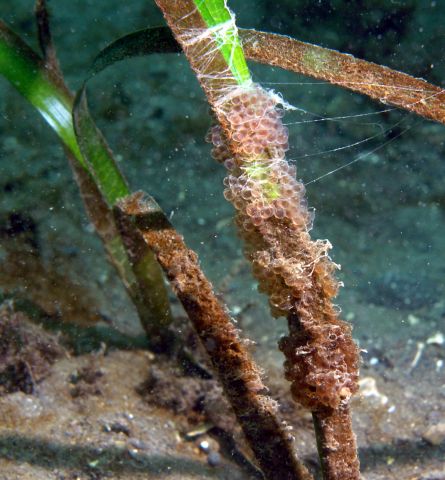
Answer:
(333, 432)
(376, 81)
(139, 215)
(274, 221)
(336, 441)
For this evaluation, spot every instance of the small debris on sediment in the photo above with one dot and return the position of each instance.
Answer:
(435, 434)
(368, 390)
(435, 475)
(200, 399)
(436, 339)
(27, 352)
(86, 381)
(214, 459)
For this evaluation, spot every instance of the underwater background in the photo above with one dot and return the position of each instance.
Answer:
(383, 213)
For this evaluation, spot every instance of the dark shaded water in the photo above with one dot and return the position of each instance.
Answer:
(384, 214)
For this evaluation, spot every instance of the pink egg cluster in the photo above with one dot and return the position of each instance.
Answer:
(255, 123)
(293, 270)
(321, 372)
(286, 276)
(260, 183)
(263, 188)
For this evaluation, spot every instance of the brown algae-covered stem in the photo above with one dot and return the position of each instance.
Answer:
(293, 270)
(337, 447)
(378, 82)
(271, 443)
(319, 354)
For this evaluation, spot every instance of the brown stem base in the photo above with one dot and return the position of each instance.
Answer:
(336, 444)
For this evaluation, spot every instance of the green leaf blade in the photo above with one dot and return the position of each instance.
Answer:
(96, 152)
(22, 67)
(219, 19)
(26, 72)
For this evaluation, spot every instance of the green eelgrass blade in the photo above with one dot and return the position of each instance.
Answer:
(96, 152)
(25, 70)
(92, 144)
(99, 180)
(148, 293)
(138, 43)
(219, 19)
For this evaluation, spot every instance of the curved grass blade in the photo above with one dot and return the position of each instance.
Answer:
(96, 152)
(138, 43)
(147, 291)
(25, 70)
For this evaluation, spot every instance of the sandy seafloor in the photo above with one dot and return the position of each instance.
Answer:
(384, 215)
